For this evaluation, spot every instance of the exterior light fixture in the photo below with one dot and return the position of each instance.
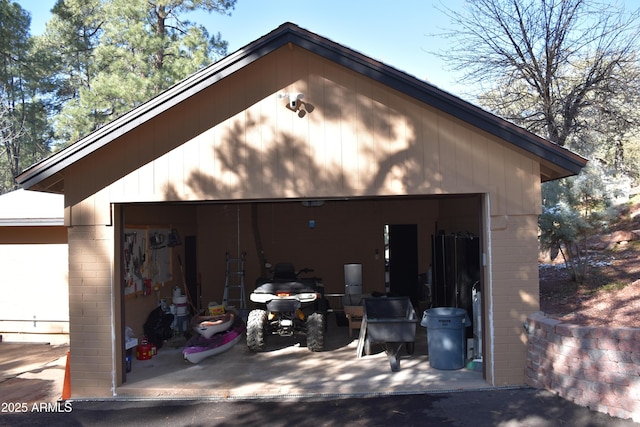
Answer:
(293, 97)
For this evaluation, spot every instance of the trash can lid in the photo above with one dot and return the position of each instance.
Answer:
(445, 317)
(446, 311)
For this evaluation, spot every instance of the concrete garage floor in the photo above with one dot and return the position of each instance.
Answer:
(287, 369)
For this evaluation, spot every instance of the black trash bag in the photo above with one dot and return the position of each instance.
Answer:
(157, 328)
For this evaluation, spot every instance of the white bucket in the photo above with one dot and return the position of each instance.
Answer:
(181, 299)
(181, 310)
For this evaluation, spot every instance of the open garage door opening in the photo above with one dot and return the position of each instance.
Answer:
(323, 235)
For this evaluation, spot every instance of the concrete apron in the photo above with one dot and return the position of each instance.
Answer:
(287, 369)
(32, 372)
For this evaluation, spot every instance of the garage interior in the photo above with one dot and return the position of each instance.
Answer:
(287, 369)
(403, 245)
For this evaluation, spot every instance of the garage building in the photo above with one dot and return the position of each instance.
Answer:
(296, 148)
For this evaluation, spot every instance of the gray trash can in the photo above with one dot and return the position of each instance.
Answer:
(446, 336)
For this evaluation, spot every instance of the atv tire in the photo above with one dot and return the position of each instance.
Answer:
(316, 323)
(256, 327)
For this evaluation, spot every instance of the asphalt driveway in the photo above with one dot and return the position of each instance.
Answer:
(31, 384)
(507, 408)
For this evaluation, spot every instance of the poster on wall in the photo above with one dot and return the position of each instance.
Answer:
(147, 258)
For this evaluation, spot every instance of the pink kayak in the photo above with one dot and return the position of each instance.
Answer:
(199, 348)
(207, 326)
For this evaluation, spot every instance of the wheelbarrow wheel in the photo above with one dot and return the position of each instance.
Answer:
(395, 363)
(392, 350)
(410, 347)
(367, 347)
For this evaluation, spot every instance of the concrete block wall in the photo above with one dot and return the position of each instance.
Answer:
(595, 367)
(514, 291)
(90, 311)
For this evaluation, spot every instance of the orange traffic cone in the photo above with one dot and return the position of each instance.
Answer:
(66, 386)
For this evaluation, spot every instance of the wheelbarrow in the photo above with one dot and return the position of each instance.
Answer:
(391, 322)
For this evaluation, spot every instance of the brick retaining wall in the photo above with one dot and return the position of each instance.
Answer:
(594, 367)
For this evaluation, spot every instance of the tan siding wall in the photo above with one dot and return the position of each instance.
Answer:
(41, 235)
(352, 136)
(90, 310)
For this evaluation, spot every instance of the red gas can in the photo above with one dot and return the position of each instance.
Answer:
(144, 350)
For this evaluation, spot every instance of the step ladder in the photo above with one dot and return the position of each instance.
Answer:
(234, 282)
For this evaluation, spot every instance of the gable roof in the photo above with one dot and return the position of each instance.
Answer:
(557, 162)
(31, 208)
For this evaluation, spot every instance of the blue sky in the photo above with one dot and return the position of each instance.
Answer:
(396, 35)
(399, 34)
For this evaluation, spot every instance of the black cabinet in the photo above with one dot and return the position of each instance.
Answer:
(456, 268)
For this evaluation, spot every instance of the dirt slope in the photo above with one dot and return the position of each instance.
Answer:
(610, 296)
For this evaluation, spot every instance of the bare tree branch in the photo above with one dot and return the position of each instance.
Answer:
(544, 63)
